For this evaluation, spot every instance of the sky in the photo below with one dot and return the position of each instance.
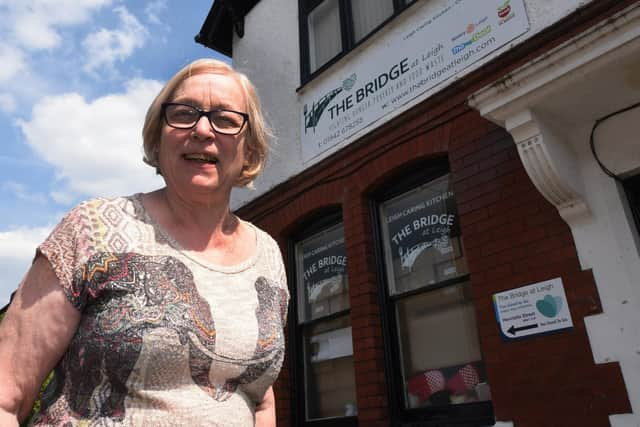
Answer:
(76, 79)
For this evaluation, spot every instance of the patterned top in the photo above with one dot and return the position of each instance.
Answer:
(165, 338)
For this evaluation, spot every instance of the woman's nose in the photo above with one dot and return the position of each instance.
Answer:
(203, 128)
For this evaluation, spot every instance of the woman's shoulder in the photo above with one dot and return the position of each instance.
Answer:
(263, 238)
(269, 252)
(97, 202)
(110, 206)
(99, 212)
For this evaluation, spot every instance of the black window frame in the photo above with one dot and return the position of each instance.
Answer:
(305, 7)
(322, 220)
(632, 190)
(467, 414)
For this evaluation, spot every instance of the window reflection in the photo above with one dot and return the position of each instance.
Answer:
(329, 370)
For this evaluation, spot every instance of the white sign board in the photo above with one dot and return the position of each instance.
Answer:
(533, 309)
(405, 65)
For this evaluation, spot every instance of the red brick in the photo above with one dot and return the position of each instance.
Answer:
(474, 216)
(498, 272)
(370, 390)
(494, 246)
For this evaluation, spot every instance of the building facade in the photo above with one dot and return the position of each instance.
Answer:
(455, 188)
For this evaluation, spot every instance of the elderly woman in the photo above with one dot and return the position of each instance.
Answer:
(161, 308)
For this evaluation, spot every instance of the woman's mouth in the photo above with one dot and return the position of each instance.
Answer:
(201, 158)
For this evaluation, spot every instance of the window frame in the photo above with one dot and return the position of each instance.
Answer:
(631, 187)
(305, 7)
(322, 220)
(476, 413)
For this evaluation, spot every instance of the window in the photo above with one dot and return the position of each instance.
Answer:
(368, 14)
(325, 374)
(331, 28)
(430, 321)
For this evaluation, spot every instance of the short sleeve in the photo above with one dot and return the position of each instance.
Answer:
(65, 249)
(280, 276)
(284, 290)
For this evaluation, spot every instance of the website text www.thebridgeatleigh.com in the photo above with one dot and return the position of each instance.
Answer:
(432, 75)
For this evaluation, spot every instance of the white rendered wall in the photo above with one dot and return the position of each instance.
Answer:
(608, 244)
(269, 54)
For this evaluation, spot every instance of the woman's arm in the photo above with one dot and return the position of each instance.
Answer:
(34, 334)
(266, 410)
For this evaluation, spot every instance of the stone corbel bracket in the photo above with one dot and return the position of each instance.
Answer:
(550, 164)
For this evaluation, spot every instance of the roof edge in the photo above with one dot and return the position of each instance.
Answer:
(223, 18)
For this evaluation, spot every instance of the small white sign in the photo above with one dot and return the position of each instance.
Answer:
(533, 309)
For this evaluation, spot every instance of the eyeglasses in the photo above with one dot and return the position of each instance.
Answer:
(185, 116)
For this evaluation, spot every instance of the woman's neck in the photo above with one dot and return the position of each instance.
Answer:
(209, 213)
(198, 225)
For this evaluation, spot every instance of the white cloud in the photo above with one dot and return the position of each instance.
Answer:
(63, 197)
(21, 192)
(22, 242)
(35, 23)
(17, 248)
(154, 9)
(106, 47)
(12, 60)
(34, 33)
(7, 102)
(95, 147)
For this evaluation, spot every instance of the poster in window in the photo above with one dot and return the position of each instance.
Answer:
(422, 236)
(324, 273)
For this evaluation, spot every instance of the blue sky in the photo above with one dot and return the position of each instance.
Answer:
(76, 78)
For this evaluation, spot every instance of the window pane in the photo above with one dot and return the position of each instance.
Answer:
(322, 275)
(368, 14)
(323, 287)
(439, 348)
(329, 373)
(422, 237)
(325, 40)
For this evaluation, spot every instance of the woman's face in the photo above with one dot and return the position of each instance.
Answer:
(199, 163)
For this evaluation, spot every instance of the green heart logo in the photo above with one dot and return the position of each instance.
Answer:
(549, 306)
(558, 301)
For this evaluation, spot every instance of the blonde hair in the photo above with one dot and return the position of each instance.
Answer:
(258, 133)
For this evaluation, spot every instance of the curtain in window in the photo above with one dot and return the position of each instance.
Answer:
(325, 40)
(368, 14)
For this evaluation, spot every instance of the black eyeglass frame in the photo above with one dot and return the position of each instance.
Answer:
(204, 113)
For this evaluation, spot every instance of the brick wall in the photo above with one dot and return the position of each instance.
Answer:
(512, 236)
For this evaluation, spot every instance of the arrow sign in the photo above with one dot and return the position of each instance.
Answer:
(512, 330)
(535, 309)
